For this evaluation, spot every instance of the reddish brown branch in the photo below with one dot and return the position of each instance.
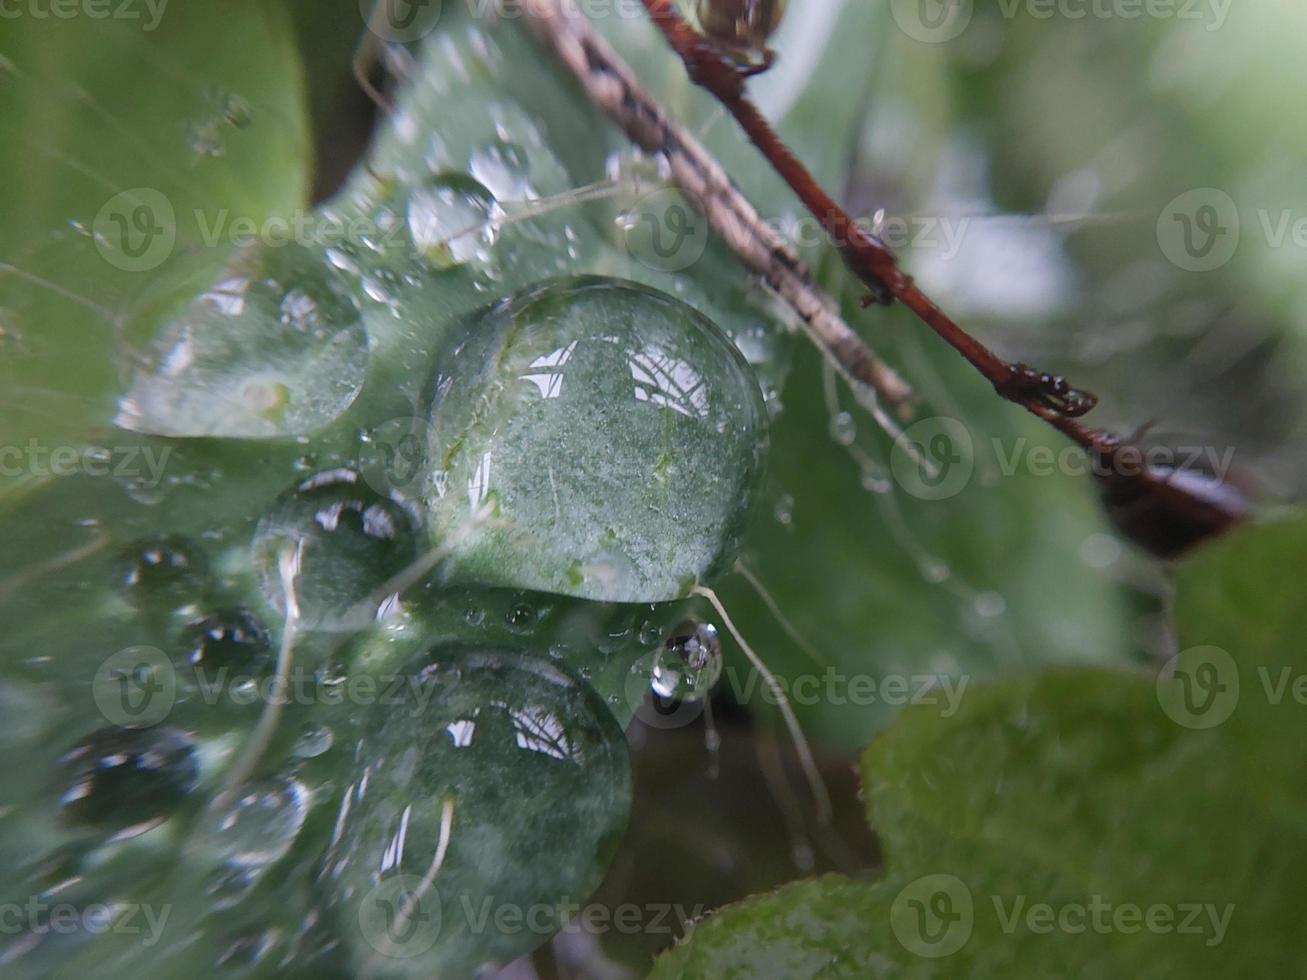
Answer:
(1047, 396)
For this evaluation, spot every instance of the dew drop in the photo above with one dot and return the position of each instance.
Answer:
(618, 434)
(503, 168)
(274, 348)
(259, 824)
(843, 428)
(348, 539)
(228, 640)
(163, 569)
(688, 664)
(475, 728)
(453, 220)
(124, 781)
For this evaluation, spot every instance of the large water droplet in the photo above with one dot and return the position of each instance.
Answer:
(452, 220)
(617, 432)
(123, 781)
(335, 541)
(274, 348)
(474, 729)
(689, 663)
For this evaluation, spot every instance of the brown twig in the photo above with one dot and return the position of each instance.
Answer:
(611, 85)
(1047, 396)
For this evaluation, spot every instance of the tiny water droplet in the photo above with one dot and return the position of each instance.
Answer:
(503, 168)
(784, 510)
(689, 663)
(843, 428)
(453, 220)
(167, 568)
(232, 640)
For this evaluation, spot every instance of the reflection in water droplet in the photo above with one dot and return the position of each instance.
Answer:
(504, 168)
(259, 824)
(618, 433)
(689, 663)
(453, 220)
(123, 781)
(275, 348)
(476, 727)
(349, 540)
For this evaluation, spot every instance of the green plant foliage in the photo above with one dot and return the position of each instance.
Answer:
(1079, 823)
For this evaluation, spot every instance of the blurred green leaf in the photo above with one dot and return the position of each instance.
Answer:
(1079, 822)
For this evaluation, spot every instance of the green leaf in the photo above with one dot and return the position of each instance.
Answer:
(1076, 823)
(129, 145)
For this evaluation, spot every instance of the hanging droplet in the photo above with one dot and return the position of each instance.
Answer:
(167, 570)
(345, 541)
(228, 641)
(689, 663)
(616, 433)
(843, 428)
(123, 781)
(274, 348)
(475, 727)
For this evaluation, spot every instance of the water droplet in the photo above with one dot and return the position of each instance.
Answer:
(784, 510)
(618, 433)
(503, 168)
(347, 540)
(689, 663)
(843, 428)
(164, 569)
(522, 618)
(475, 727)
(453, 220)
(227, 640)
(123, 781)
(275, 348)
(259, 824)
(990, 604)
(313, 742)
